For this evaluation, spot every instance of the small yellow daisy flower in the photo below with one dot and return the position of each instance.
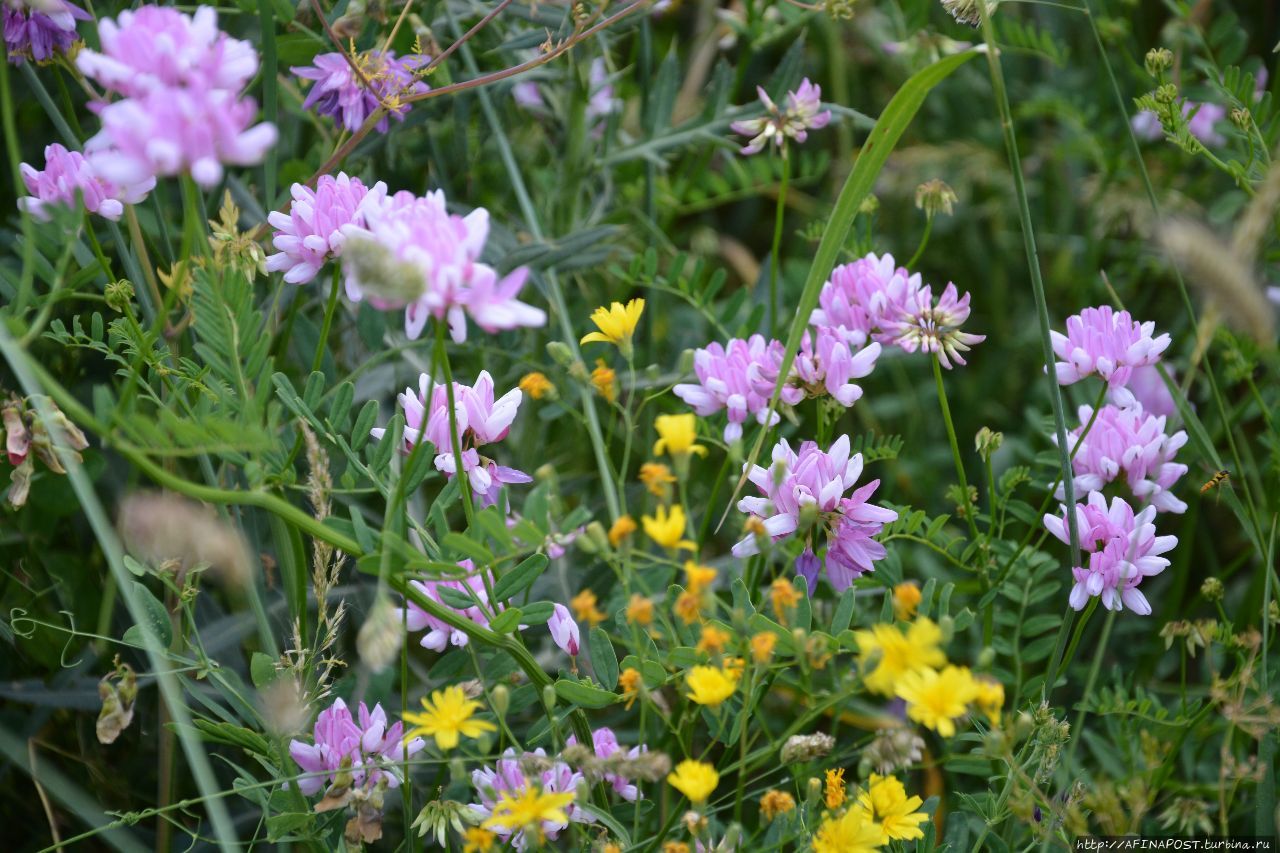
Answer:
(906, 598)
(667, 528)
(937, 699)
(713, 640)
(710, 685)
(477, 840)
(605, 380)
(656, 477)
(528, 808)
(886, 804)
(640, 610)
(784, 597)
(762, 646)
(850, 832)
(447, 716)
(537, 385)
(629, 683)
(833, 788)
(990, 698)
(617, 325)
(695, 779)
(894, 654)
(677, 435)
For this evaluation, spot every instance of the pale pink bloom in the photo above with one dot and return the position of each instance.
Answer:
(934, 327)
(310, 234)
(157, 48)
(440, 634)
(605, 743)
(340, 93)
(507, 777)
(169, 132)
(861, 299)
(1123, 549)
(1107, 343)
(824, 366)
(564, 630)
(480, 419)
(733, 378)
(374, 749)
(68, 174)
(810, 485)
(441, 252)
(803, 113)
(1147, 390)
(1129, 443)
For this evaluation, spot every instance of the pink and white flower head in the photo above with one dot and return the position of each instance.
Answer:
(66, 175)
(480, 419)
(175, 131)
(862, 298)
(1132, 443)
(934, 327)
(803, 113)
(437, 254)
(507, 777)
(605, 744)
(341, 93)
(310, 234)
(157, 49)
(1107, 343)
(564, 630)
(807, 488)
(1123, 549)
(1147, 390)
(440, 634)
(734, 378)
(374, 750)
(825, 365)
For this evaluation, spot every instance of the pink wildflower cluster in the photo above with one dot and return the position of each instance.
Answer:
(1123, 549)
(440, 634)
(414, 254)
(1132, 443)
(340, 92)
(1147, 390)
(507, 777)
(67, 176)
(370, 749)
(605, 744)
(181, 111)
(803, 494)
(733, 377)
(40, 30)
(1106, 343)
(310, 234)
(803, 113)
(480, 419)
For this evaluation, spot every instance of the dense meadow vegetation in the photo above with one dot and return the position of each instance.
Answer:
(653, 425)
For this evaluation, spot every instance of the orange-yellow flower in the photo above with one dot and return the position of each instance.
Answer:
(537, 385)
(784, 597)
(656, 477)
(584, 606)
(640, 611)
(762, 646)
(906, 597)
(713, 640)
(621, 529)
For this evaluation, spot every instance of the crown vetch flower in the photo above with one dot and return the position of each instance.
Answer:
(339, 92)
(373, 748)
(158, 48)
(863, 298)
(174, 131)
(505, 780)
(39, 33)
(442, 252)
(310, 234)
(934, 326)
(1123, 549)
(564, 630)
(440, 634)
(825, 363)
(1107, 343)
(803, 113)
(814, 482)
(1132, 443)
(605, 744)
(733, 377)
(1147, 390)
(68, 173)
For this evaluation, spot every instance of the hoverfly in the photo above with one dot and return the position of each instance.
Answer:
(1215, 480)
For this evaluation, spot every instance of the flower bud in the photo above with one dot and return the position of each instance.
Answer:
(685, 363)
(1166, 94)
(500, 700)
(1212, 590)
(987, 442)
(1242, 118)
(869, 205)
(119, 295)
(934, 197)
(596, 540)
(560, 353)
(549, 697)
(1159, 60)
(986, 657)
(948, 627)
(813, 793)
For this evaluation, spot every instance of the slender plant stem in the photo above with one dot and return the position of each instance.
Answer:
(1078, 729)
(969, 508)
(464, 483)
(318, 359)
(774, 264)
(924, 241)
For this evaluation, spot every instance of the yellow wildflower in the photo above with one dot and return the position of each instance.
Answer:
(688, 607)
(906, 597)
(850, 832)
(605, 380)
(527, 809)
(710, 685)
(629, 682)
(621, 529)
(695, 779)
(640, 611)
(477, 840)
(937, 699)
(833, 789)
(537, 385)
(447, 716)
(611, 848)
(762, 646)
(713, 640)
(584, 606)
(677, 435)
(989, 698)
(784, 596)
(895, 654)
(775, 802)
(617, 325)
(675, 847)
(667, 528)
(886, 804)
(656, 477)
(698, 578)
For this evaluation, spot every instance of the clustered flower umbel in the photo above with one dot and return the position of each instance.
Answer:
(364, 748)
(1128, 442)
(440, 634)
(864, 306)
(339, 90)
(40, 29)
(480, 420)
(310, 234)
(803, 494)
(803, 113)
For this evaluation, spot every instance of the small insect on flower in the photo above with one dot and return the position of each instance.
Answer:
(1216, 480)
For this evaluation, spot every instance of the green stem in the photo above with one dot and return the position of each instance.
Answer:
(318, 359)
(455, 440)
(955, 450)
(774, 264)
(924, 241)
(1077, 731)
